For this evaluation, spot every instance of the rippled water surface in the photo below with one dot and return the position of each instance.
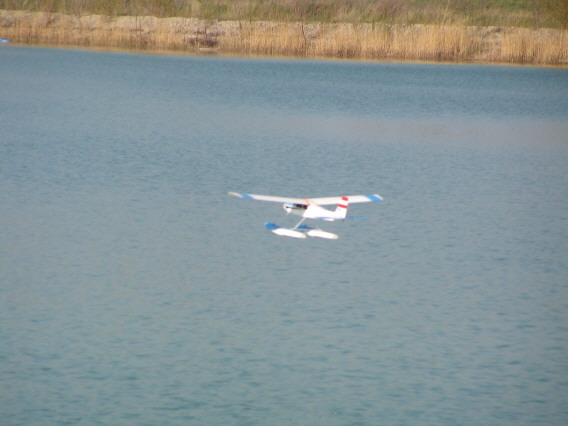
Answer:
(135, 291)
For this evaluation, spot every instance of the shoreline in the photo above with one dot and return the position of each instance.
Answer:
(366, 42)
(219, 55)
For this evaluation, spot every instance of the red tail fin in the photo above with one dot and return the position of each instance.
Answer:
(341, 210)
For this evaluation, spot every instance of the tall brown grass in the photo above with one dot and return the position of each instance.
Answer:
(450, 42)
(520, 46)
(356, 41)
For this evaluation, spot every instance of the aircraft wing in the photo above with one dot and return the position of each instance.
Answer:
(352, 199)
(321, 201)
(269, 198)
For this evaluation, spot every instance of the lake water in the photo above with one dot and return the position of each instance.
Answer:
(135, 291)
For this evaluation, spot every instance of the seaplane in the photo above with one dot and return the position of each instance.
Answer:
(311, 208)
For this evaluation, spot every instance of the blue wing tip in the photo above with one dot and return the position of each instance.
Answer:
(374, 197)
(241, 195)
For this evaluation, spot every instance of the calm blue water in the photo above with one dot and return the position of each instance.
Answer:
(135, 291)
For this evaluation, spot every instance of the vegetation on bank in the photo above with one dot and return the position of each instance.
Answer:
(507, 13)
(511, 31)
(352, 41)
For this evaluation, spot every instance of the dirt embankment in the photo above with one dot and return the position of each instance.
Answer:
(354, 41)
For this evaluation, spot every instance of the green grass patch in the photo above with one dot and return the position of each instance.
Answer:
(520, 13)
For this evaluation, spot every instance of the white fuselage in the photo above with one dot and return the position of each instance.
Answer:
(310, 211)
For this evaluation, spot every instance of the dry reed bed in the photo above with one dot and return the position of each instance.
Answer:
(356, 41)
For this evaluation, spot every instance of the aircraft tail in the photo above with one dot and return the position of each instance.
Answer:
(341, 210)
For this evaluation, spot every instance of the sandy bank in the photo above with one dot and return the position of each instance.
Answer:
(362, 41)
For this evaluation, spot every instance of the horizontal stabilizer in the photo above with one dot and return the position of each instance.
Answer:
(271, 226)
